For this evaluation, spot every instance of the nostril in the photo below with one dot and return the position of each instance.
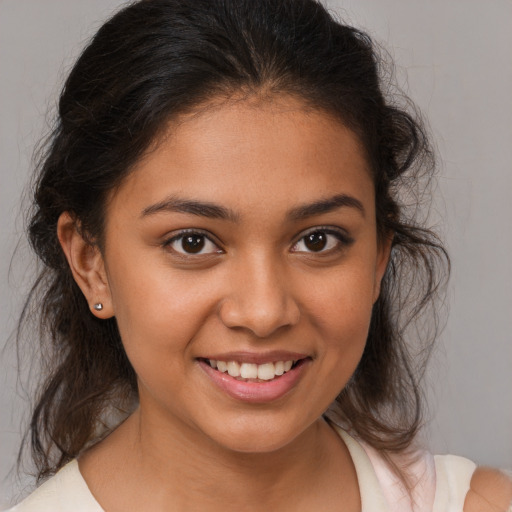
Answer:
(261, 317)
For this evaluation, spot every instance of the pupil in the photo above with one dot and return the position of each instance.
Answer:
(193, 243)
(316, 241)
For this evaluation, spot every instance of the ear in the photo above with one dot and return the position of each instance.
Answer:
(383, 255)
(86, 263)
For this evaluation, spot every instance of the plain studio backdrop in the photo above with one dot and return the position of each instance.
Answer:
(454, 59)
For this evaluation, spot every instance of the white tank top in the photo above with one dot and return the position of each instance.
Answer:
(442, 484)
(441, 481)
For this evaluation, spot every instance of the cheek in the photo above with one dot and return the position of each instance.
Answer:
(341, 311)
(343, 301)
(157, 312)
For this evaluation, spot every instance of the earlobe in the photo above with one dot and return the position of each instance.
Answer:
(87, 266)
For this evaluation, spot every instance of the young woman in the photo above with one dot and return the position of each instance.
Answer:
(228, 270)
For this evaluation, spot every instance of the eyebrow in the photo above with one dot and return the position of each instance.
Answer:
(214, 211)
(325, 206)
(190, 206)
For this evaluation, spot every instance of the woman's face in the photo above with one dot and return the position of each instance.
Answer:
(245, 242)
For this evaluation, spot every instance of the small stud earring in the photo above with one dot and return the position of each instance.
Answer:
(98, 306)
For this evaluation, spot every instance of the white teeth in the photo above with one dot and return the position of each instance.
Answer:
(234, 369)
(249, 371)
(266, 371)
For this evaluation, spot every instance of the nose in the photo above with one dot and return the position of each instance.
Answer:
(260, 298)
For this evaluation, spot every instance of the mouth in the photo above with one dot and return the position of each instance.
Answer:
(252, 372)
(255, 381)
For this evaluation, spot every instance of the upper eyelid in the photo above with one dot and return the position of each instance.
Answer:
(195, 231)
(333, 230)
(168, 241)
(190, 257)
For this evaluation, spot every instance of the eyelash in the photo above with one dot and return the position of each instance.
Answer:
(191, 232)
(343, 240)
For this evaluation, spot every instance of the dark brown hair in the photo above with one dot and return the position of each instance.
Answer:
(155, 60)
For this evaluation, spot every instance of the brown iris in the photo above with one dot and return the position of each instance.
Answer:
(315, 241)
(192, 243)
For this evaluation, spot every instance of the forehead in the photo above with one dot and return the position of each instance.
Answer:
(251, 154)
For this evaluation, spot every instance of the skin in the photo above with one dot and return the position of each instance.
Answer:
(255, 287)
(490, 491)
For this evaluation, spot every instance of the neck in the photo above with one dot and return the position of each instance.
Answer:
(199, 466)
(192, 472)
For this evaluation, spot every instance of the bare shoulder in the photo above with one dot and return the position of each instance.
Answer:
(490, 491)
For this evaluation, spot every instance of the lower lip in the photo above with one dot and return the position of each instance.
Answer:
(256, 392)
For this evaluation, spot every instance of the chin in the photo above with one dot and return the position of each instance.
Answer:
(256, 437)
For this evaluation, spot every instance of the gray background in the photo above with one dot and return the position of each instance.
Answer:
(458, 60)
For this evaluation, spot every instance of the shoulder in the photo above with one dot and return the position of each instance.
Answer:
(439, 483)
(490, 491)
(65, 491)
(467, 487)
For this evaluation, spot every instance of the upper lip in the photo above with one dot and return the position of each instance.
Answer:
(257, 357)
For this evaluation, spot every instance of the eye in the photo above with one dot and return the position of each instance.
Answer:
(192, 243)
(321, 240)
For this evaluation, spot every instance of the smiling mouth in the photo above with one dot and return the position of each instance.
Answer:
(250, 372)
